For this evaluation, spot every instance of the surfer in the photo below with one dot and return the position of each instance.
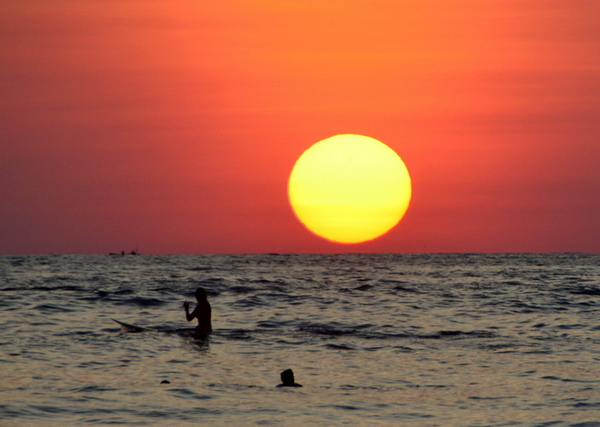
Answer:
(202, 312)
(287, 379)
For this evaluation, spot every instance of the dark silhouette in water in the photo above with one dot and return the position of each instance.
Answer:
(202, 312)
(287, 379)
(123, 253)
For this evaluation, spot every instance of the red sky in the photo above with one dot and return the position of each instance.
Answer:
(171, 126)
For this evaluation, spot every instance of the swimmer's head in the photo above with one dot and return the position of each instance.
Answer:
(201, 294)
(287, 376)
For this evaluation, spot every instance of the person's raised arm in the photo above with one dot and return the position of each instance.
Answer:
(188, 316)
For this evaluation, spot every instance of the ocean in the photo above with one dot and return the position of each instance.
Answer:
(375, 339)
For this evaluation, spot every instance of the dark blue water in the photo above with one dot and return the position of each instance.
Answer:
(423, 340)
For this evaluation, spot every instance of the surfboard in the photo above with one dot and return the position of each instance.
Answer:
(127, 328)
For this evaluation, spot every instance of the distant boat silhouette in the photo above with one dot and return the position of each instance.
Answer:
(123, 253)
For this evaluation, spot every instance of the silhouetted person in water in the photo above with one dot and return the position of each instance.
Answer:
(202, 312)
(287, 379)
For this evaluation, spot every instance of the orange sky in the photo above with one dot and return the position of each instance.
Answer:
(171, 126)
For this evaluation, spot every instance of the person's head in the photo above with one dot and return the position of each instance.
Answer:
(201, 294)
(287, 376)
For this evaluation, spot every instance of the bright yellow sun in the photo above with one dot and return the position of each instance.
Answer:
(349, 188)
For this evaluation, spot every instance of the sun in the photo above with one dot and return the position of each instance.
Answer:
(349, 188)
